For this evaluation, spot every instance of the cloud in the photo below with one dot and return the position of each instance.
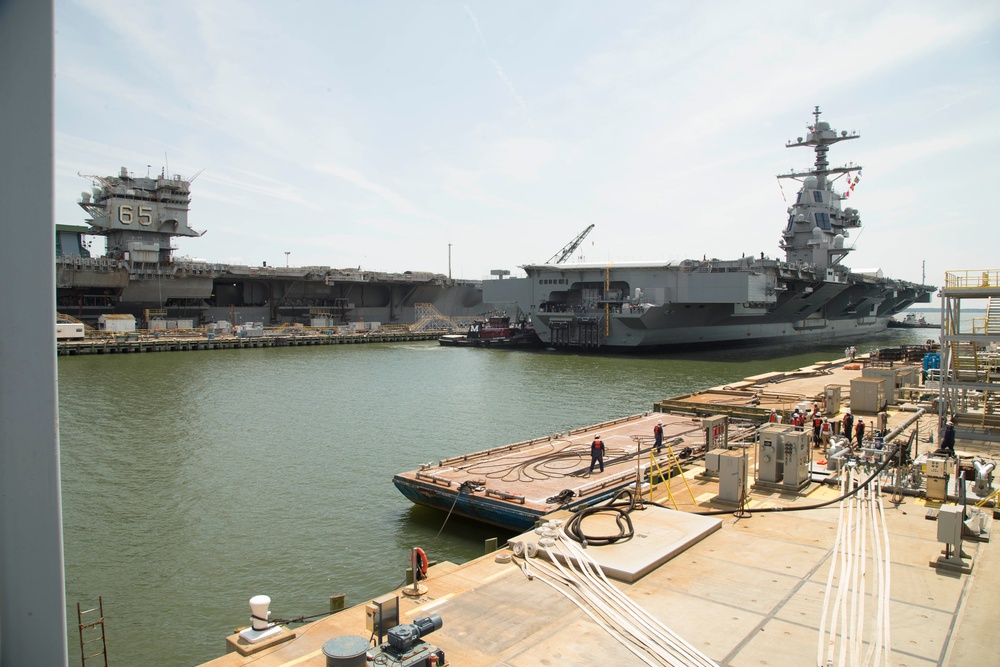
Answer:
(496, 66)
(396, 200)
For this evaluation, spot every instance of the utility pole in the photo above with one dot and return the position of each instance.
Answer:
(449, 261)
(287, 253)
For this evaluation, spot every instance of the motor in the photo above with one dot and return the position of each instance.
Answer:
(405, 648)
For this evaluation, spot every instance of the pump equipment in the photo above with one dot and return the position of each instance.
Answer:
(405, 647)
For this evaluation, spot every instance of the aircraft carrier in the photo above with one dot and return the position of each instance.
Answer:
(140, 216)
(810, 295)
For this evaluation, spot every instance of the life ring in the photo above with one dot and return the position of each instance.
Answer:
(418, 561)
(852, 367)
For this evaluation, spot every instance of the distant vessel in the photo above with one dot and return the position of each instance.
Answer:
(138, 275)
(911, 321)
(495, 331)
(808, 296)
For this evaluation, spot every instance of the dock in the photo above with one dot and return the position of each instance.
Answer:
(699, 581)
(136, 343)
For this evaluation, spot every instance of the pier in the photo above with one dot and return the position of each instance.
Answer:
(145, 342)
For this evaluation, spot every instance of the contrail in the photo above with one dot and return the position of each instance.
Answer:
(496, 65)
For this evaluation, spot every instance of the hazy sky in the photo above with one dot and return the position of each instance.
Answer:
(377, 133)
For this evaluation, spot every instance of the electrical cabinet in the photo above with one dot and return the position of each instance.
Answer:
(770, 452)
(732, 476)
(716, 429)
(795, 458)
(831, 395)
(937, 479)
(712, 460)
(867, 394)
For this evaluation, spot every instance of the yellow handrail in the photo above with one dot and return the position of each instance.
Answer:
(972, 279)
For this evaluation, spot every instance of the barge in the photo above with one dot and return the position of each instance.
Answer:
(517, 485)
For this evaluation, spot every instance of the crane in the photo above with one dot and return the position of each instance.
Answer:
(564, 254)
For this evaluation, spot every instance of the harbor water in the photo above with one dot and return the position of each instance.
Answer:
(195, 480)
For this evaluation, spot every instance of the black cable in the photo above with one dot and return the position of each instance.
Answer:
(799, 508)
(286, 621)
(626, 530)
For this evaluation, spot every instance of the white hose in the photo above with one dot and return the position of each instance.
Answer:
(829, 578)
(587, 586)
(651, 630)
(862, 534)
(655, 624)
(606, 627)
(624, 622)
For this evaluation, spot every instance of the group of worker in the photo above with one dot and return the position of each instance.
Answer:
(823, 428)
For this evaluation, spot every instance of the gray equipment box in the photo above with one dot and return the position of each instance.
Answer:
(894, 379)
(770, 453)
(712, 460)
(732, 476)
(867, 394)
(795, 458)
(831, 395)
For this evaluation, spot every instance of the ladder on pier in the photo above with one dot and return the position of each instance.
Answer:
(92, 632)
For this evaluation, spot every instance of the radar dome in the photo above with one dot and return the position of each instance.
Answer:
(809, 182)
(822, 125)
(838, 241)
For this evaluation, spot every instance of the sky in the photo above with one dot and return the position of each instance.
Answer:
(400, 136)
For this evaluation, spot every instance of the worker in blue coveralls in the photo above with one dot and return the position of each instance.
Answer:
(658, 435)
(948, 441)
(597, 453)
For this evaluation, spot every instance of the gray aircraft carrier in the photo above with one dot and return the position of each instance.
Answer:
(810, 295)
(138, 275)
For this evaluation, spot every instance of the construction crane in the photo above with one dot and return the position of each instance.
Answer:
(564, 254)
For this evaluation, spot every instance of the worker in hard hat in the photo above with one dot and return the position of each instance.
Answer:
(596, 453)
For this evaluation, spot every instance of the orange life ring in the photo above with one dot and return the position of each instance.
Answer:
(418, 561)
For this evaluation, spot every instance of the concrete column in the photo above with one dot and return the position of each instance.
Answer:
(32, 581)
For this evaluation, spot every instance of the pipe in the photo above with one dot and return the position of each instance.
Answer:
(899, 429)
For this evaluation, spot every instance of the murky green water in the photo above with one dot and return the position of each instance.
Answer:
(194, 480)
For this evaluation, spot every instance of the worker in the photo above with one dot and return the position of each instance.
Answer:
(859, 431)
(596, 453)
(773, 419)
(658, 436)
(817, 424)
(825, 431)
(847, 425)
(948, 441)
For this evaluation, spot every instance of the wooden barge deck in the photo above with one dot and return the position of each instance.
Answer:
(516, 485)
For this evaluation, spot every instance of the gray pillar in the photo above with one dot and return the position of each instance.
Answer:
(32, 582)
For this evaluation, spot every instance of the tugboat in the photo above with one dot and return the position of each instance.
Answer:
(911, 321)
(495, 331)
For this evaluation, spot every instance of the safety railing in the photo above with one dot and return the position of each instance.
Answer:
(972, 279)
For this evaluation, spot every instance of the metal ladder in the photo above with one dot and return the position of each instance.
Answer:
(92, 632)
